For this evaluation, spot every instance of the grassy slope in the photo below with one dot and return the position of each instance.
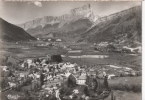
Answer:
(10, 32)
(126, 27)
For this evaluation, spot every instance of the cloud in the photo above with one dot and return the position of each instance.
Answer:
(38, 3)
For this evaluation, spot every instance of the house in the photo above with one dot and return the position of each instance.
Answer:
(82, 80)
(49, 39)
(38, 39)
(58, 40)
(68, 65)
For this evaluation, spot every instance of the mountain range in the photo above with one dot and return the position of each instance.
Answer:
(67, 26)
(80, 25)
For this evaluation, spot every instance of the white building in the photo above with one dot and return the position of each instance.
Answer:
(49, 39)
(38, 39)
(58, 40)
(81, 80)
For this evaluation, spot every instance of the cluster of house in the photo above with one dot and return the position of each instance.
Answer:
(35, 74)
(50, 39)
(109, 47)
(40, 74)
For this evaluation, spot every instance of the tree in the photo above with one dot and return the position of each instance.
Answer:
(106, 82)
(71, 81)
(42, 79)
(56, 58)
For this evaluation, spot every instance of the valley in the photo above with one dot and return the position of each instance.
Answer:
(74, 56)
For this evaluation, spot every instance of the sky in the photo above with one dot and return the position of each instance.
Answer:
(21, 12)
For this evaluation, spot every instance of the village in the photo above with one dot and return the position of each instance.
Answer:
(46, 77)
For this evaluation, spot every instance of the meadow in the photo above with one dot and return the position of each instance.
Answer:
(129, 84)
(123, 95)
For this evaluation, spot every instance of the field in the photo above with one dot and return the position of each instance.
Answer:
(122, 95)
(29, 50)
(132, 84)
(114, 59)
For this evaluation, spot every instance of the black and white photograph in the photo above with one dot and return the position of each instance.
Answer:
(70, 50)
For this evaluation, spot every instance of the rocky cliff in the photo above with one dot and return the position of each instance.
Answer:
(75, 14)
(67, 27)
(118, 14)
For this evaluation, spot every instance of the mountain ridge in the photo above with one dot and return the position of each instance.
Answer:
(12, 33)
(121, 27)
(74, 14)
